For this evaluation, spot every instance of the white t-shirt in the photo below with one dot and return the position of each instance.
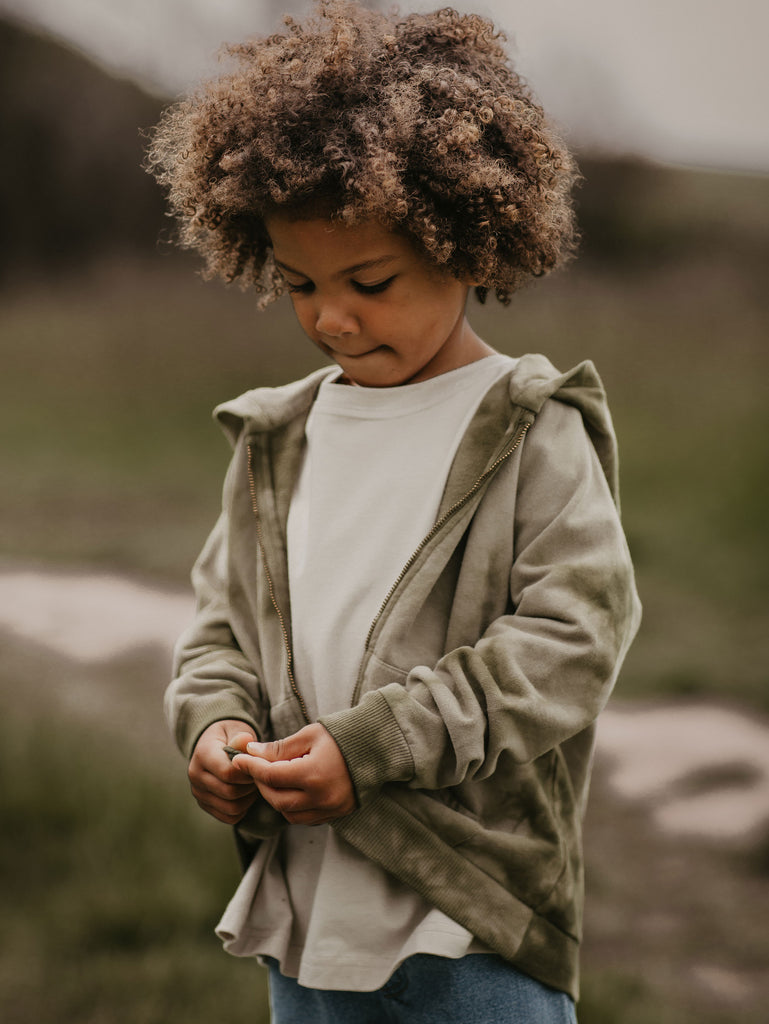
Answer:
(373, 475)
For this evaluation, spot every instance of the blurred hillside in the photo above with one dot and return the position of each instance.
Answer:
(71, 188)
(72, 191)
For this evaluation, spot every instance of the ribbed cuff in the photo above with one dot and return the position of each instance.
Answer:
(372, 744)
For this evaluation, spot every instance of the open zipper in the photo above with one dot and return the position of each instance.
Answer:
(271, 588)
(436, 527)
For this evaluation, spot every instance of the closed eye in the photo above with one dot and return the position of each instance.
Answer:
(307, 287)
(373, 289)
(301, 289)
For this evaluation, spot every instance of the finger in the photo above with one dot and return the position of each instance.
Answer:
(275, 774)
(217, 734)
(238, 743)
(207, 782)
(214, 763)
(228, 811)
(240, 739)
(334, 796)
(285, 800)
(226, 816)
(225, 790)
(216, 773)
(286, 749)
(300, 808)
(235, 772)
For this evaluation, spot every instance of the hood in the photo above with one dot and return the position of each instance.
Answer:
(533, 380)
(264, 409)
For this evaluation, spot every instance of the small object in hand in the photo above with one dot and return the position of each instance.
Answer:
(232, 751)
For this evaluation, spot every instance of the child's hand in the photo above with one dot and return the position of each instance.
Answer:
(304, 777)
(221, 788)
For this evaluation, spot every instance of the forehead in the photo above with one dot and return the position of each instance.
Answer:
(335, 247)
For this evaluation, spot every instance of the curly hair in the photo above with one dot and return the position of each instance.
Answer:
(419, 122)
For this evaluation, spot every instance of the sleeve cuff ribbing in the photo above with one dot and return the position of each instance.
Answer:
(372, 744)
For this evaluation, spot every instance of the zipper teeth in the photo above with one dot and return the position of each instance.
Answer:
(271, 588)
(439, 523)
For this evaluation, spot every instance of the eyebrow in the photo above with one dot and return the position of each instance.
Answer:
(365, 265)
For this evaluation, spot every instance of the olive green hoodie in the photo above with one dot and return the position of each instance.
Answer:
(471, 732)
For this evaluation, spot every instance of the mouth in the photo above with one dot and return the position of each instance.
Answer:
(336, 353)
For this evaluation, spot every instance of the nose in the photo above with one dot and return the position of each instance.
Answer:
(334, 320)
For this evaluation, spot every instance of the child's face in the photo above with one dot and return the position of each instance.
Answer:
(368, 300)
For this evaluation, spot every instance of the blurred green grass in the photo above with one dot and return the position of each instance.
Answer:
(112, 882)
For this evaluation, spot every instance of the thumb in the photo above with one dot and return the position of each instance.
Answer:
(286, 749)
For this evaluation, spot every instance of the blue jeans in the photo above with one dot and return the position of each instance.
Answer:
(476, 989)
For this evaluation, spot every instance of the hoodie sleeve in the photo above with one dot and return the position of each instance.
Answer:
(213, 679)
(540, 673)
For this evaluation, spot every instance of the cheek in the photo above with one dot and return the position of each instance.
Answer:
(414, 331)
(304, 315)
(409, 318)
(437, 321)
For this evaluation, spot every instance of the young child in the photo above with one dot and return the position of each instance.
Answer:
(418, 595)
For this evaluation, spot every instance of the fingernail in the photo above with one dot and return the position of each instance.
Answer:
(253, 748)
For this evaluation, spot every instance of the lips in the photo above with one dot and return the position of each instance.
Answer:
(339, 354)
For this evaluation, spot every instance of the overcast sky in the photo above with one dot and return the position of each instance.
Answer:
(677, 80)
